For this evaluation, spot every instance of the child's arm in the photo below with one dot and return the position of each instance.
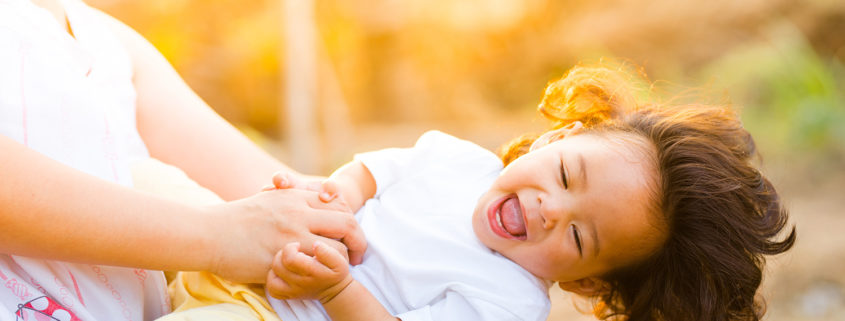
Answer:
(324, 277)
(354, 183)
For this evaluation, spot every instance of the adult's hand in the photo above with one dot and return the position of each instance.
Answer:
(253, 229)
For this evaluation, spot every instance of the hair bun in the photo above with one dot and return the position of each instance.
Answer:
(591, 95)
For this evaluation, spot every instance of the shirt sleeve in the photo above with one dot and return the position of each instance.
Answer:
(392, 164)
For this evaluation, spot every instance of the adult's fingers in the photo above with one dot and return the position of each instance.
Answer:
(327, 202)
(340, 227)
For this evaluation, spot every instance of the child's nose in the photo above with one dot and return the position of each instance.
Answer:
(551, 211)
(548, 224)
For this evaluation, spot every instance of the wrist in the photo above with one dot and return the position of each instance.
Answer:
(186, 232)
(355, 302)
(213, 246)
(327, 295)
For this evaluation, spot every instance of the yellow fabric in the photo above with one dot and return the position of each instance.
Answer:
(199, 296)
(217, 312)
(191, 290)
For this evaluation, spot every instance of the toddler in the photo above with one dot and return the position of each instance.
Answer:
(655, 212)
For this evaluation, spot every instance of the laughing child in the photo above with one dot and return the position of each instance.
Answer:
(655, 212)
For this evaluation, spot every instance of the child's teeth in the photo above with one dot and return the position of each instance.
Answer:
(499, 219)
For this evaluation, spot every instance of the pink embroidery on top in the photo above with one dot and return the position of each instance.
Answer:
(64, 294)
(141, 274)
(127, 314)
(44, 308)
(19, 289)
(75, 286)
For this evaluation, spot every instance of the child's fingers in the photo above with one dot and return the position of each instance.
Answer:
(329, 190)
(268, 188)
(330, 257)
(277, 287)
(277, 267)
(292, 259)
(292, 266)
(283, 180)
(340, 227)
(281, 282)
(299, 263)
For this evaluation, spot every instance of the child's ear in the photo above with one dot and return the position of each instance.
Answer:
(557, 134)
(585, 287)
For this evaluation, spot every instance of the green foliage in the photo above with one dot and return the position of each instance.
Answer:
(791, 98)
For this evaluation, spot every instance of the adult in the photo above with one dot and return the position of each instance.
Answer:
(82, 96)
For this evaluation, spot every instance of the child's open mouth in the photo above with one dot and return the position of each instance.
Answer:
(506, 219)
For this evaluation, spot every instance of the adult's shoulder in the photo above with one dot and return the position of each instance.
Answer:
(17, 37)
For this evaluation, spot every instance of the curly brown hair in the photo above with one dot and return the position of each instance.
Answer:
(722, 214)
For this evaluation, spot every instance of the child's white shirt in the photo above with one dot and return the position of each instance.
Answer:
(71, 99)
(423, 260)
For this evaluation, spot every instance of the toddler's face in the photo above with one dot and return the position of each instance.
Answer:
(573, 207)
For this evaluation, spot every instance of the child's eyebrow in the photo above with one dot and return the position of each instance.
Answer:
(582, 166)
(595, 236)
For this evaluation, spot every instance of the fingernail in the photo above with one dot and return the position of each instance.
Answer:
(325, 196)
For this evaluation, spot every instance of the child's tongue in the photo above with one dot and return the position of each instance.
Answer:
(512, 220)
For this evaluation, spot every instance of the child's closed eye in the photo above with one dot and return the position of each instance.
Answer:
(577, 236)
(563, 175)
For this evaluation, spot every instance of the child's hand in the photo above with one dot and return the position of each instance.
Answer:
(285, 180)
(327, 189)
(295, 275)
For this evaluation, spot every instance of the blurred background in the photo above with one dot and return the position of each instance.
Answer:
(315, 81)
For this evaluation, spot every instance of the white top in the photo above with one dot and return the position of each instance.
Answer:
(71, 99)
(423, 260)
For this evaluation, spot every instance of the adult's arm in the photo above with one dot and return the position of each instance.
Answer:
(52, 211)
(179, 128)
